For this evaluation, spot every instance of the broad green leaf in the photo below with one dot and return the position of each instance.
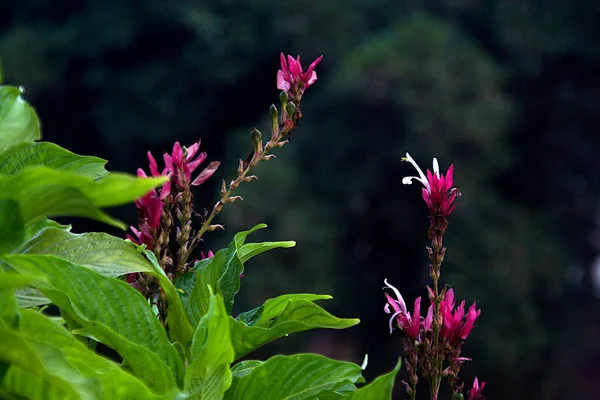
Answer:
(111, 312)
(59, 379)
(221, 272)
(12, 226)
(298, 377)
(18, 120)
(180, 329)
(52, 156)
(243, 368)
(38, 227)
(380, 388)
(208, 376)
(108, 255)
(107, 379)
(105, 254)
(279, 317)
(69, 194)
(8, 283)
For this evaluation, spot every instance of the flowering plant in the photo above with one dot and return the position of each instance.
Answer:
(433, 344)
(166, 314)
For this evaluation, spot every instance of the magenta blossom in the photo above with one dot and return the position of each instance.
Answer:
(183, 162)
(456, 325)
(290, 77)
(475, 392)
(150, 208)
(438, 193)
(410, 324)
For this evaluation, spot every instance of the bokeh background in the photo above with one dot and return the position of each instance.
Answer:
(508, 91)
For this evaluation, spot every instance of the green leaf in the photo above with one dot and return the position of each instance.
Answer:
(108, 255)
(105, 254)
(301, 376)
(38, 227)
(69, 194)
(249, 250)
(12, 226)
(279, 317)
(180, 329)
(105, 379)
(57, 377)
(52, 156)
(18, 120)
(380, 388)
(208, 375)
(221, 272)
(111, 312)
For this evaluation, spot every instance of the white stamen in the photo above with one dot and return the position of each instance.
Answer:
(421, 178)
(392, 320)
(400, 300)
(436, 167)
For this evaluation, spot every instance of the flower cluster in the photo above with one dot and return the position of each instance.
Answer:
(292, 80)
(433, 344)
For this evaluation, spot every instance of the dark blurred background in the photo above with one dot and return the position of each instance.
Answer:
(508, 91)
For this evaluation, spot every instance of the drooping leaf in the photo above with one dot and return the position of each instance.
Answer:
(111, 312)
(180, 328)
(52, 156)
(221, 272)
(208, 376)
(12, 226)
(249, 250)
(105, 254)
(298, 377)
(381, 388)
(18, 120)
(69, 194)
(279, 317)
(108, 255)
(56, 376)
(105, 378)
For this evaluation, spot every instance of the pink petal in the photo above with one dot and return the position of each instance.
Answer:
(282, 83)
(194, 164)
(392, 303)
(177, 155)
(168, 163)
(284, 67)
(153, 165)
(428, 321)
(294, 67)
(415, 323)
(191, 151)
(207, 173)
(141, 173)
(450, 176)
(312, 79)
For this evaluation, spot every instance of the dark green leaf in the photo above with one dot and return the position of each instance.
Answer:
(221, 272)
(69, 194)
(18, 121)
(12, 226)
(380, 388)
(208, 376)
(279, 317)
(112, 312)
(298, 377)
(52, 156)
(105, 379)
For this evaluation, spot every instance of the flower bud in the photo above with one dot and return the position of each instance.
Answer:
(290, 109)
(274, 122)
(283, 98)
(458, 396)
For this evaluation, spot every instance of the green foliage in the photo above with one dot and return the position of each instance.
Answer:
(208, 376)
(221, 272)
(43, 262)
(302, 376)
(53, 156)
(18, 121)
(279, 317)
(380, 388)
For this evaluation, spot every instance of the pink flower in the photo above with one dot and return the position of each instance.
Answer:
(475, 392)
(410, 324)
(456, 326)
(438, 193)
(165, 189)
(291, 78)
(428, 321)
(182, 164)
